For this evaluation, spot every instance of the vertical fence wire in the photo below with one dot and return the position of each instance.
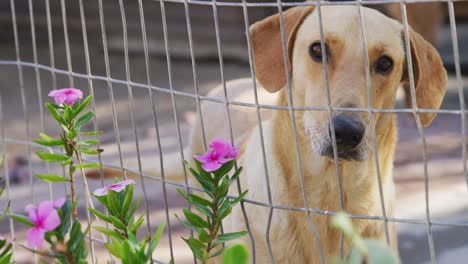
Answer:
(23, 96)
(156, 123)
(132, 112)
(95, 124)
(38, 82)
(430, 238)
(194, 71)
(174, 104)
(6, 172)
(110, 87)
(371, 119)
(330, 115)
(461, 95)
(67, 43)
(294, 125)
(50, 38)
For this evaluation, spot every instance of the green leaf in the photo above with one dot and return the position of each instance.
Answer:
(224, 169)
(88, 165)
(224, 210)
(84, 119)
(182, 193)
(199, 200)
(194, 219)
(203, 209)
(155, 241)
(90, 151)
(114, 248)
(117, 223)
(187, 224)
(89, 142)
(235, 175)
(67, 114)
(197, 247)
(76, 236)
(238, 199)
(223, 189)
(109, 232)
(203, 236)
(217, 253)
(51, 157)
(82, 106)
(137, 224)
(377, 253)
(45, 137)
(127, 201)
(230, 236)
(51, 178)
(22, 219)
(90, 133)
(51, 143)
(236, 254)
(102, 216)
(55, 114)
(68, 161)
(71, 133)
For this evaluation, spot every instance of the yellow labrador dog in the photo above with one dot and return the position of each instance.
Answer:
(291, 237)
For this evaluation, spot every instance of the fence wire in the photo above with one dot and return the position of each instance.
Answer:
(153, 90)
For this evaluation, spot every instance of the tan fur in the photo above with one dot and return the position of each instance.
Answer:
(291, 237)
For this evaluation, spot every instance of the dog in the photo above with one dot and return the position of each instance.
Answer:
(291, 236)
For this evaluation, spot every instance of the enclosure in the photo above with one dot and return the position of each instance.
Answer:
(151, 63)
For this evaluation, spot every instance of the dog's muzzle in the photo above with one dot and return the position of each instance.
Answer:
(349, 134)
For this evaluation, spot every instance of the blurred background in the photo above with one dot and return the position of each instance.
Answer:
(51, 44)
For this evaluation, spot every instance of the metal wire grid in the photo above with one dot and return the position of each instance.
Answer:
(20, 64)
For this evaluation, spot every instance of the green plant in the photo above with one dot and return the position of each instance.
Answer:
(124, 244)
(363, 250)
(212, 172)
(68, 114)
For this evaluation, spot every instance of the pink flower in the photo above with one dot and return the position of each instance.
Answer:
(116, 187)
(66, 95)
(220, 152)
(45, 218)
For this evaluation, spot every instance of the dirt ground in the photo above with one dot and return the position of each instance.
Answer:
(448, 195)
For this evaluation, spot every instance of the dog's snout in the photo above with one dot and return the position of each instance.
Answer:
(349, 132)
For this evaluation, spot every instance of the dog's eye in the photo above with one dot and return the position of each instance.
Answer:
(315, 51)
(384, 65)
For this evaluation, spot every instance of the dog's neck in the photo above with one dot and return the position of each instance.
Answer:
(354, 175)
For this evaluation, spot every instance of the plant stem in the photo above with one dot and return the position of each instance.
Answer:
(72, 183)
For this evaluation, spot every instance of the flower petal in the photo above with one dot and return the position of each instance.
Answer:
(205, 157)
(44, 209)
(233, 153)
(36, 237)
(100, 191)
(224, 160)
(32, 212)
(51, 221)
(220, 146)
(59, 202)
(60, 98)
(211, 166)
(71, 99)
(116, 187)
(54, 93)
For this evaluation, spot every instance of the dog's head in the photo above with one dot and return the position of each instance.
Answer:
(345, 60)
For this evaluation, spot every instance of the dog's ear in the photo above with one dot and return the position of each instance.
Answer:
(268, 49)
(430, 77)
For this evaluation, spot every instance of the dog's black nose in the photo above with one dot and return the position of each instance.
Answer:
(349, 132)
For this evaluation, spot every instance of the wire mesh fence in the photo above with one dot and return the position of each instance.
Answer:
(151, 65)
